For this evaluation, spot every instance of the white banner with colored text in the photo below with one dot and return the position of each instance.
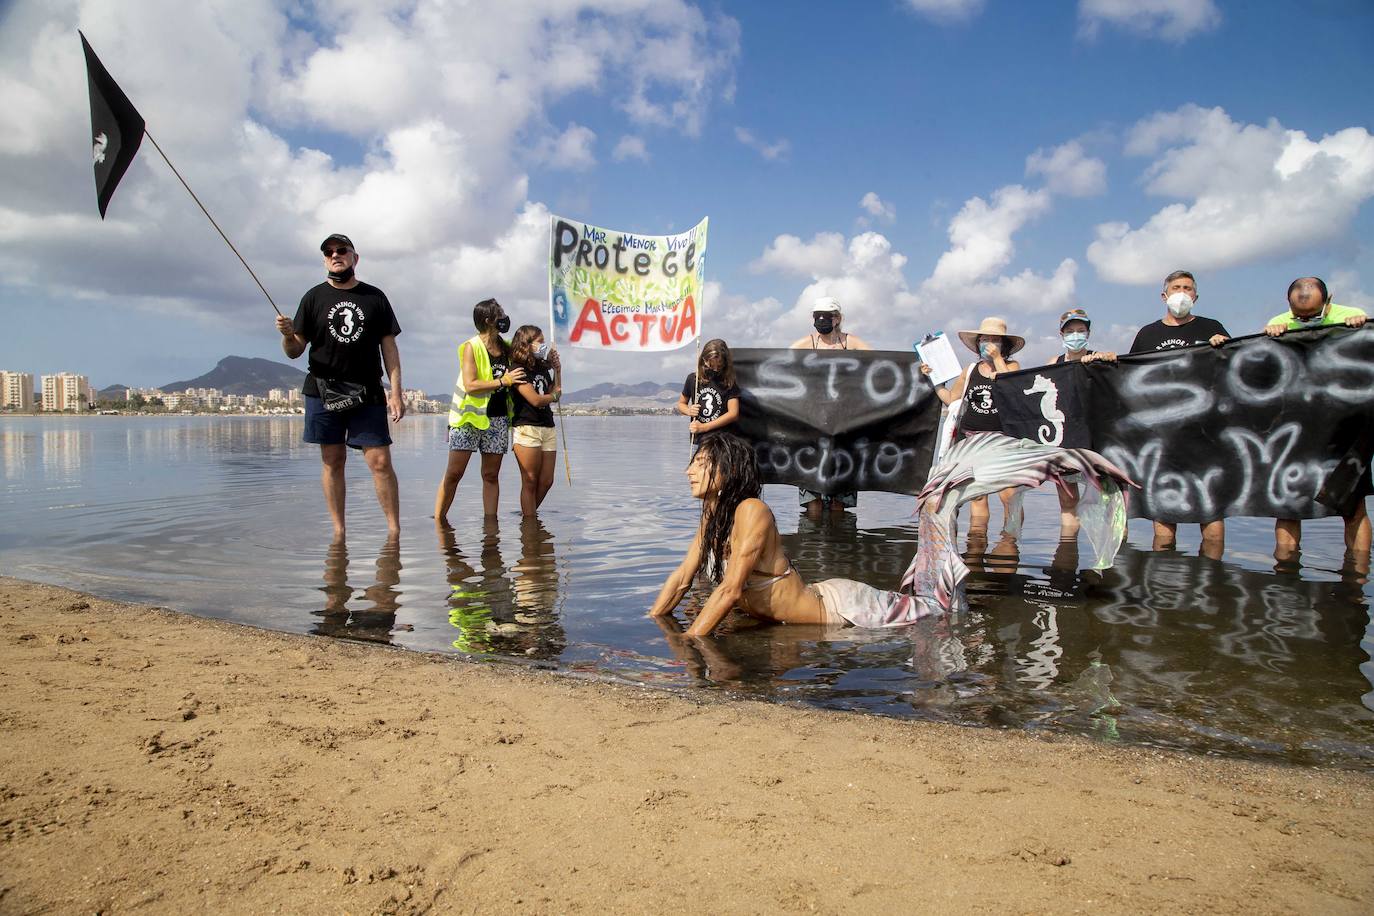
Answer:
(612, 290)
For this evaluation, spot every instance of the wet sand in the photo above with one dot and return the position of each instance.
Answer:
(158, 761)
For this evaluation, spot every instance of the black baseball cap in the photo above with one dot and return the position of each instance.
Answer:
(338, 237)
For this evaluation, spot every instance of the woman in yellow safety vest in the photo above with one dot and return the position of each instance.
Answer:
(479, 416)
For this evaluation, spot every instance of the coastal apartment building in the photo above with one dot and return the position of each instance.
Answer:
(16, 390)
(65, 391)
(285, 395)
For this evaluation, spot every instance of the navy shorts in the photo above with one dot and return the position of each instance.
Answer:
(360, 427)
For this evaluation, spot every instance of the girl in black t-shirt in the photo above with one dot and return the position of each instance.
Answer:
(536, 447)
(710, 397)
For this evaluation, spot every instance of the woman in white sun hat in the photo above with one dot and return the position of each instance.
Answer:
(978, 413)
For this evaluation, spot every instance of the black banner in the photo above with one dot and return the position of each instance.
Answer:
(838, 420)
(1272, 428)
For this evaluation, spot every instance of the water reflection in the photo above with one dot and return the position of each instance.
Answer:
(494, 610)
(372, 620)
(1254, 654)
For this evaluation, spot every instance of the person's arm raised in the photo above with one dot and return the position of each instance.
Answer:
(748, 537)
(292, 344)
(679, 580)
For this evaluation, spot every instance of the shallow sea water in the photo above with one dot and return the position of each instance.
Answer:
(223, 517)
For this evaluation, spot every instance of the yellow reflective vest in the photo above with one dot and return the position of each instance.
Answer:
(471, 409)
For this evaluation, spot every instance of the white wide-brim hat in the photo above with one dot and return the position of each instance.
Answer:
(826, 304)
(992, 327)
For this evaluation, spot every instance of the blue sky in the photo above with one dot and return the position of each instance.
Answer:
(928, 162)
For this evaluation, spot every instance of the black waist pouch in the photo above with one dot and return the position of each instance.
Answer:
(341, 395)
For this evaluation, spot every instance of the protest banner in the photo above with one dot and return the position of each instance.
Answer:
(834, 421)
(1264, 427)
(611, 290)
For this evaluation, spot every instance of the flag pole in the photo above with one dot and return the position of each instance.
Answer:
(696, 384)
(212, 221)
(563, 426)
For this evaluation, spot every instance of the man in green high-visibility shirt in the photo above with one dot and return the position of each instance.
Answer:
(1310, 306)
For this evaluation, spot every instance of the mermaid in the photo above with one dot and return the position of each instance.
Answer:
(738, 545)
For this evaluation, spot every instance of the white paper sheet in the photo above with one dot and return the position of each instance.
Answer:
(935, 351)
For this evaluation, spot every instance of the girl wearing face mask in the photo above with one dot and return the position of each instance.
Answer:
(1074, 329)
(710, 396)
(479, 417)
(536, 446)
(978, 412)
(826, 319)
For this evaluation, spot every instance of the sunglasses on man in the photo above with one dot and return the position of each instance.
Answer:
(330, 252)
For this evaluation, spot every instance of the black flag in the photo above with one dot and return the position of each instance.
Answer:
(116, 128)
(1045, 405)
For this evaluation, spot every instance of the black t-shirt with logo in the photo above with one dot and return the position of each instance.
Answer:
(496, 407)
(711, 396)
(526, 414)
(1160, 336)
(980, 410)
(344, 328)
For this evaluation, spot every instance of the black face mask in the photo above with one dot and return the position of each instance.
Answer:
(503, 324)
(341, 276)
(824, 323)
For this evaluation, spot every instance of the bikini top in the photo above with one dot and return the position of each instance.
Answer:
(759, 579)
(844, 342)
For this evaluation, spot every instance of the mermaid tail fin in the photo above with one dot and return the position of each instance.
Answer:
(985, 463)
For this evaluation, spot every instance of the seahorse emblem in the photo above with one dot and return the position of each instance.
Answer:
(98, 149)
(1051, 432)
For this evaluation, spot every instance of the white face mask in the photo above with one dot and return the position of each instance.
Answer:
(1180, 304)
(1075, 341)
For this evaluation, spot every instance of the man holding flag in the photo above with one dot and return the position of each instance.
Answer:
(351, 332)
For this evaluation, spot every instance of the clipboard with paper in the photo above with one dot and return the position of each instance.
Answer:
(936, 352)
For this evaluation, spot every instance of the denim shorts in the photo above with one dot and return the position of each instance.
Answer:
(494, 440)
(359, 427)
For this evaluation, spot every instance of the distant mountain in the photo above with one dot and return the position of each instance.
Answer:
(655, 393)
(112, 393)
(243, 375)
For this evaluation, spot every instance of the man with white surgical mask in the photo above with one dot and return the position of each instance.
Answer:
(1181, 328)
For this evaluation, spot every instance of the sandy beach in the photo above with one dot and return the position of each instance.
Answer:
(165, 763)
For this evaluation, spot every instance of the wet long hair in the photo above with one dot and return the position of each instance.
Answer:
(727, 368)
(735, 478)
(522, 347)
(485, 315)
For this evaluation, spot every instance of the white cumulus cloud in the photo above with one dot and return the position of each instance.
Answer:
(1170, 20)
(774, 151)
(630, 147)
(946, 11)
(1068, 170)
(878, 208)
(1243, 192)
